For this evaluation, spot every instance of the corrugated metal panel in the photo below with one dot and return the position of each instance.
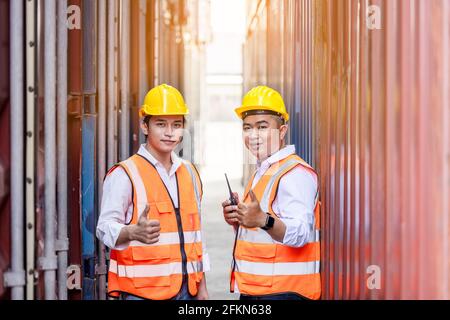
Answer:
(386, 146)
(88, 217)
(74, 126)
(5, 155)
(136, 55)
(168, 54)
(40, 178)
(82, 91)
(255, 58)
(371, 113)
(88, 149)
(74, 185)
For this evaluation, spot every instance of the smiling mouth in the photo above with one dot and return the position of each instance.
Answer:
(168, 141)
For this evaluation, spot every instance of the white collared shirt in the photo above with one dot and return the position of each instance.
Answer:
(295, 200)
(117, 202)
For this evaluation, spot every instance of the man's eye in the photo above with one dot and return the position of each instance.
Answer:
(247, 128)
(161, 125)
(177, 126)
(262, 127)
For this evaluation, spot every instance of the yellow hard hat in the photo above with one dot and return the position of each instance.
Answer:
(262, 98)
(163, 100)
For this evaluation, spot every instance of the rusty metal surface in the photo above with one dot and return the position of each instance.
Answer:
(88, 153)
(74, 108)
(39, 156)
(135, 35)
(370, 110)
(151, 34)
(74, 190)
(383, 113)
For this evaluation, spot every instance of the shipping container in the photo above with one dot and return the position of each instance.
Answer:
(5, 157)
(367, 86)
(116, 51)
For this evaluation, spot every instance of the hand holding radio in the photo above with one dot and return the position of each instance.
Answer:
(250, 214)
(230, 206)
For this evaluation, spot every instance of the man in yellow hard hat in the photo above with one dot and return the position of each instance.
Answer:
(150, 212)
(277, 246)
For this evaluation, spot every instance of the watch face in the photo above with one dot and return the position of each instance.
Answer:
(270, 222)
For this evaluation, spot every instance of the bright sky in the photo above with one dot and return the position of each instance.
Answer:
(228, 15)
(224, 79)
(224, 54)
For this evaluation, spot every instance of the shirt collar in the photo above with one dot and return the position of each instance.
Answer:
(277, 156)
(176, 160)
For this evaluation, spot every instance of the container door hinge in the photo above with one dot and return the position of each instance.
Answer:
(48, 263)
(14, 278)
(62, 245)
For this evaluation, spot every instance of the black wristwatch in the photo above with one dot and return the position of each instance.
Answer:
(269, 222)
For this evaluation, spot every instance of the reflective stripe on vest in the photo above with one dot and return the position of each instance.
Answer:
(196, 186)
(264, 203)
(154, 271)
(256, 236)
(140, 192)
(279, 268)
(171, 238)
(265, 266)
(167, 269)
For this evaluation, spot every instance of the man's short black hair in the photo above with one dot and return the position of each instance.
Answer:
(278, 116)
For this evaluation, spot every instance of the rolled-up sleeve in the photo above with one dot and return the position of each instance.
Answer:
(116, 208)
(295, 204)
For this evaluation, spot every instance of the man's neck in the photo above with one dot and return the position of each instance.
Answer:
(163, 157)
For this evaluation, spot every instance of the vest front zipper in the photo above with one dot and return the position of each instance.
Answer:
(182, 249)
(181, 235)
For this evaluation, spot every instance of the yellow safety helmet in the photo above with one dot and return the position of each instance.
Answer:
(163, 100)
(262, 98)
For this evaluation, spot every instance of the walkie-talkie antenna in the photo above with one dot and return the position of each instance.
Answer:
(231, 192)
(233, 202)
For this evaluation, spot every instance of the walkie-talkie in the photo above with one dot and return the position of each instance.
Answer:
(232, 199)
(233, 203)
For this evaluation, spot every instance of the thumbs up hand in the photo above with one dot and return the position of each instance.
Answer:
(250, 215)
(146, 230)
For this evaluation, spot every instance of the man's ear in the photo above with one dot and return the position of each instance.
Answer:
(144, 128)
(283, 131)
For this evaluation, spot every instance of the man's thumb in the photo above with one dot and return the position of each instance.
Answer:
(236, 197)
(144, 213)
(252, 196)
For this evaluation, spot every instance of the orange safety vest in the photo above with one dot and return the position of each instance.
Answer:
(155, 271)
(264, 266)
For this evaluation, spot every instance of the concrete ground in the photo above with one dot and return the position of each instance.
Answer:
(219, 238)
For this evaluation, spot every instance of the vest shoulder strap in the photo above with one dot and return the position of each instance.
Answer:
(284, 166)
(114, 167)
(249, 184)
(196, 181)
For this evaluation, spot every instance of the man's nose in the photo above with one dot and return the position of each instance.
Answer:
(168, 131)
(254, 133)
